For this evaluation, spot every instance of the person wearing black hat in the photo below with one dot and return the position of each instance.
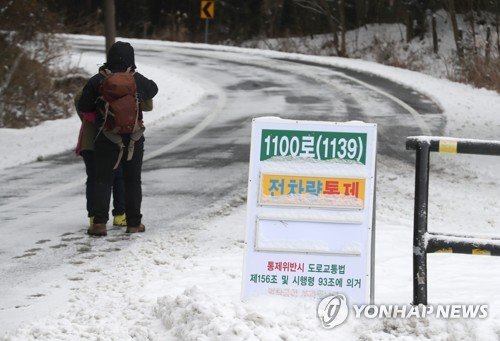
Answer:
(120, 58)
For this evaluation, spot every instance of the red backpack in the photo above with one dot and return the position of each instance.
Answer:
(121, 109)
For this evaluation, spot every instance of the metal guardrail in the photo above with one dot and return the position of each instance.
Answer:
(428, 242)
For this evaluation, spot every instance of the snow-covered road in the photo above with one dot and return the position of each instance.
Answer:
(181, 278)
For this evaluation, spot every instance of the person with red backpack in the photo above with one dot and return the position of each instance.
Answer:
(116, 94)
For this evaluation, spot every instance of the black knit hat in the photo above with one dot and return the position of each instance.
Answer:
(120, 56)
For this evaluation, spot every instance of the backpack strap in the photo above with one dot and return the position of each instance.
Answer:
(115, 138)
(105, 72)
(106, 112)
(134, 137)
(138, 131)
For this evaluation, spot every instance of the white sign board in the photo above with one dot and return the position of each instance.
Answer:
(310, 209)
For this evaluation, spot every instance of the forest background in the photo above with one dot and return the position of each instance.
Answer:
(34, 87)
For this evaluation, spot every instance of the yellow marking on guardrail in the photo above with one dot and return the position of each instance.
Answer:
(447, 250)
(448, 146)
(480, 252)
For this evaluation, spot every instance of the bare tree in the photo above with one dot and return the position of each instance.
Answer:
(29, 91)
(271, 11)
(324, 8)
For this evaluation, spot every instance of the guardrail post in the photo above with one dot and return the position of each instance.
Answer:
(420, 223)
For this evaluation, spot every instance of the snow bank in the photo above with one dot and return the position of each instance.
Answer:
(198, 315)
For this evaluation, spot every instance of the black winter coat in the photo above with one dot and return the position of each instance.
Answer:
(120, 57)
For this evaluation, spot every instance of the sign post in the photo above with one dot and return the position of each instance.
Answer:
(207, 11)
(310, 210)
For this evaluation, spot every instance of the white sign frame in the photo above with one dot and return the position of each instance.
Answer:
(362, 264)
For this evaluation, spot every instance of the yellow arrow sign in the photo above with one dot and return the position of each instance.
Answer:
(207, 9)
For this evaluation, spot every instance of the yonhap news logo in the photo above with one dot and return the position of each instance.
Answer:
(333, 310)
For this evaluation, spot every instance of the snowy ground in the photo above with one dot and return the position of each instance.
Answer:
(185, 282)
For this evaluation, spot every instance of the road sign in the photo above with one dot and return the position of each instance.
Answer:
(310, 210)
(207, 9)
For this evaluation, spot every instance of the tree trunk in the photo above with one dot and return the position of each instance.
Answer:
(6, 83)
(361, 7)
(453, 17)
(434, 35)
(409, 27)
(275, 18)
(472, 26)
(343, 28)
(487, 49)
(498, 30)
(109, 25)
(332, 23)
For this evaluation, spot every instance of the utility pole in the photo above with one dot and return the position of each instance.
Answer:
(109, 23)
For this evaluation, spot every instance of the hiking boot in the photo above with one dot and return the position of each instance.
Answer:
(135, 229)
(120, 220)
(97, 230)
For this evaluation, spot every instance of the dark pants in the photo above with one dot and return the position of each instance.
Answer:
(105, 156)
(118, 186)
